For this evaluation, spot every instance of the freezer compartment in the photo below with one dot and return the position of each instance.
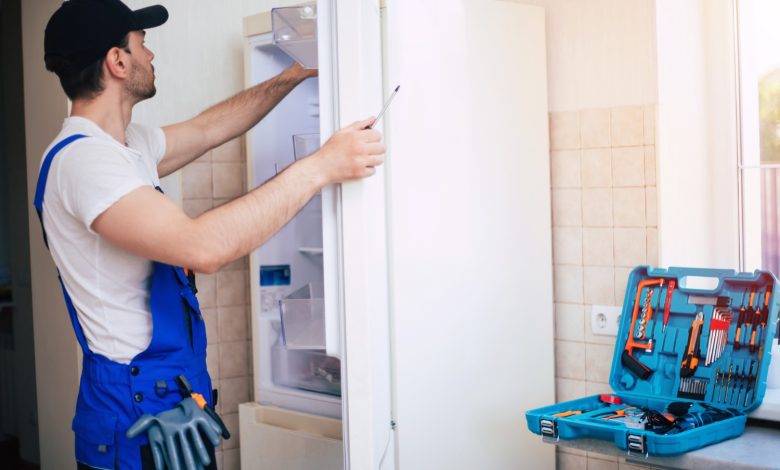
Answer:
(308, 370)
(295, 32)
(273, 438)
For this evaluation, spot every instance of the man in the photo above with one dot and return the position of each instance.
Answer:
(118, 242)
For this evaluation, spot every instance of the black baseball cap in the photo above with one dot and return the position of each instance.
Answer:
(82, 31)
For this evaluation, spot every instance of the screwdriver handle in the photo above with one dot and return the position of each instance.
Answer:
(668, 303)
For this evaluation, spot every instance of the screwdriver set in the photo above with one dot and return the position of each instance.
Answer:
(690, 362)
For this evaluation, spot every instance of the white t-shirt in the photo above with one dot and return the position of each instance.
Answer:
(109, 287)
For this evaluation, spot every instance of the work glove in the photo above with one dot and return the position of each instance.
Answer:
(173, 434)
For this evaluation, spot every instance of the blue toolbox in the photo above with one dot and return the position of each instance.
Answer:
(690, 362)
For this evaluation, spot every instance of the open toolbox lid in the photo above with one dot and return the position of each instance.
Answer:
(712, 304)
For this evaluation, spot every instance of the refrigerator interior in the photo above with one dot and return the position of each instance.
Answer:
(292, 370)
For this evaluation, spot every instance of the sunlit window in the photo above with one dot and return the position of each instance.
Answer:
(759, 66)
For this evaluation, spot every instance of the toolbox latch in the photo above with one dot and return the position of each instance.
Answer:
(636, 444)
(549, 428)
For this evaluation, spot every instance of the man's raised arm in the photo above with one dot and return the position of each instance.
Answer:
(148, 224)
(190, 139)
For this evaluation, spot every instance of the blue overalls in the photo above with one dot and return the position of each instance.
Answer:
(112, 396)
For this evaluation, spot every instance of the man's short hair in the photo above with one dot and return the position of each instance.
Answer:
(85, 83)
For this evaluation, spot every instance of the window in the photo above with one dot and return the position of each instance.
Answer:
(759, 161)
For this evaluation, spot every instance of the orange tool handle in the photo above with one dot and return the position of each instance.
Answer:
(765, 316)
(694, 336)
(621, 413)
(691, 360)
(199, 400)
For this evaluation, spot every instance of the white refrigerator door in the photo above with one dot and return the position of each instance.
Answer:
(357, 57)
(469, 233)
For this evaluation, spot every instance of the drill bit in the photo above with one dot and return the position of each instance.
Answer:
(725, 391)
(741, 385)
(751, 382)
(734, 389)
(715, 386)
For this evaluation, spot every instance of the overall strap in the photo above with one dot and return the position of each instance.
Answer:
(40, 189)
(43, 177)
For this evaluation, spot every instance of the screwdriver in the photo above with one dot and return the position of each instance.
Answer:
(668, 306)
(751, 313)
(741, 320)
(762, 318)
(384, 108)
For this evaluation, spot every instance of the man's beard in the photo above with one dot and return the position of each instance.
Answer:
(141, 83)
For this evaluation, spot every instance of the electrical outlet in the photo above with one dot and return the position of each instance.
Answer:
(604, 319)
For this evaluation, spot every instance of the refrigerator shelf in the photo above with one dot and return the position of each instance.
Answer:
(310, 250)
(295, 33)
(305, 144)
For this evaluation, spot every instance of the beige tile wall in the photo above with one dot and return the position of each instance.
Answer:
(604, 224)
(209, 182)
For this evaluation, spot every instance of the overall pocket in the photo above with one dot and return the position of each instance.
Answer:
(95, 439)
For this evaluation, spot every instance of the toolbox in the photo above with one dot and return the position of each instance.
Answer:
(691, 359)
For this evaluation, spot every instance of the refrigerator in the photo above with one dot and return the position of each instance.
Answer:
(405, 320)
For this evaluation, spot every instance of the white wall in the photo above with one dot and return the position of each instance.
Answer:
(199, 55)
(600, 53)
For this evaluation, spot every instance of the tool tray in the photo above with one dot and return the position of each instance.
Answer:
(685, 383)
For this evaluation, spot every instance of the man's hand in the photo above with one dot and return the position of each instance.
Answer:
(352, 153)
(296, 70)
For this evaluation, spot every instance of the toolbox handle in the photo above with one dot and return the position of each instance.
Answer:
(700, 284)
(681, 271)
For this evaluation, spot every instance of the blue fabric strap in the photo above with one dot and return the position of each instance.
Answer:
(40, 189)
(43, 175)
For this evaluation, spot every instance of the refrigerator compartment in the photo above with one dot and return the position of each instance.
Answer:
(303, 320)
(308, 232)
(295, 32)
(305, 144)
(308, 370)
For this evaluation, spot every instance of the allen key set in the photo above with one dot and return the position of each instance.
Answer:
(706, 352)
(719, 328)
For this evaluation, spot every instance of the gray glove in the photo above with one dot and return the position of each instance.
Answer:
(174, 433)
